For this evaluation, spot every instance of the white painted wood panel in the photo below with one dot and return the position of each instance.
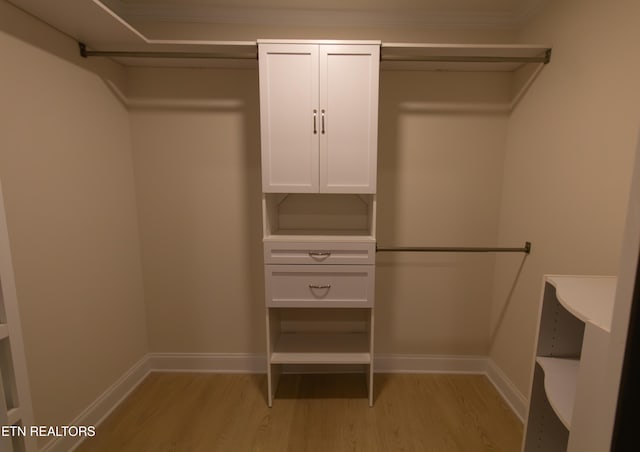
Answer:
(573, 337)
(589, 298)
(319, 117)
(335, 286)
(560, 377)
(288, 98)
(325, 253)
(349, 118)
(322, 348)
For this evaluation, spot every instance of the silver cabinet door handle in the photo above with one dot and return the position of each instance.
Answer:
(319, 286)
(323, 121)
(315, 122)
(324, 254)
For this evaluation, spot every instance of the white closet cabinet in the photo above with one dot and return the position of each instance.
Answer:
(573, 335)
(319, 125)
(319, 116)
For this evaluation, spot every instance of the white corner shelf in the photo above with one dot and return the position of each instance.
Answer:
(589, 298)
(560, 377)
(573, 329)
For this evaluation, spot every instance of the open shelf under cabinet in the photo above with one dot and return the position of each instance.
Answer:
(321, 348)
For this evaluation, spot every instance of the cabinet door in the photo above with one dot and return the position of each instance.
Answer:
(289, 119)
(349, 118)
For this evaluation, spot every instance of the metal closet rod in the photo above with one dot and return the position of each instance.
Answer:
(454, 249)
(254, 56)
(545, 59)
(142, 54)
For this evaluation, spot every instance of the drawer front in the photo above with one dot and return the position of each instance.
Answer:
(335, 286)
(320, 253)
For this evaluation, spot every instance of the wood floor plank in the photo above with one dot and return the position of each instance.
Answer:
(222, 412)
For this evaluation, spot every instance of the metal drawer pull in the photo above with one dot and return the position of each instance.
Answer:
(319, 286)
(319, 253)
(315, 121)
(323, 122)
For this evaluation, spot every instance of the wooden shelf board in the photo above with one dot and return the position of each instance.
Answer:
(320, 304)
(322, 348)
(289, 235)
(589, 298)
(560, 381)
(88, 21)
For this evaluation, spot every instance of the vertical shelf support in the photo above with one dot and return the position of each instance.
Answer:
(15, 403)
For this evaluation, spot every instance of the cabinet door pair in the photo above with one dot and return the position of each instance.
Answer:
(319, 117)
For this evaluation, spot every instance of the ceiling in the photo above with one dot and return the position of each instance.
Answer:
(505, 13)
(115, 26)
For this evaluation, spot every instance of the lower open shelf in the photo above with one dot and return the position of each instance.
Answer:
(545, 432)
(560, 379)
(319, 340)
(321, 348)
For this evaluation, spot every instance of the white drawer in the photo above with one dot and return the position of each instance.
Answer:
(363, 253)
(335, 286)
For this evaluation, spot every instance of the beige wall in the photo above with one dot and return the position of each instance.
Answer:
(66, 169)
(197, 167)
(568, 163)
(440, 174)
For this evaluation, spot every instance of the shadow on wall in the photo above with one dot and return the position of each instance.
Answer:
(42, 36)
(498, 318)
(441, 156)
(197, 164)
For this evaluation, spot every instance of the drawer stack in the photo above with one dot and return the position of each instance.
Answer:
(308, 285)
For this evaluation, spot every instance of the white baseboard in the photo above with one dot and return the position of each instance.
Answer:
(430, 364)
(208, 362)
(509, 392)
(253, 363)
(95, 413)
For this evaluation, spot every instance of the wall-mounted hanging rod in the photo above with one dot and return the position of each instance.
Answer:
(453, 249)
(162, 54)
(84, 52)
(546, 58)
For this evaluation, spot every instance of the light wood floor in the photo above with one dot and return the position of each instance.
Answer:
(327, 413)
